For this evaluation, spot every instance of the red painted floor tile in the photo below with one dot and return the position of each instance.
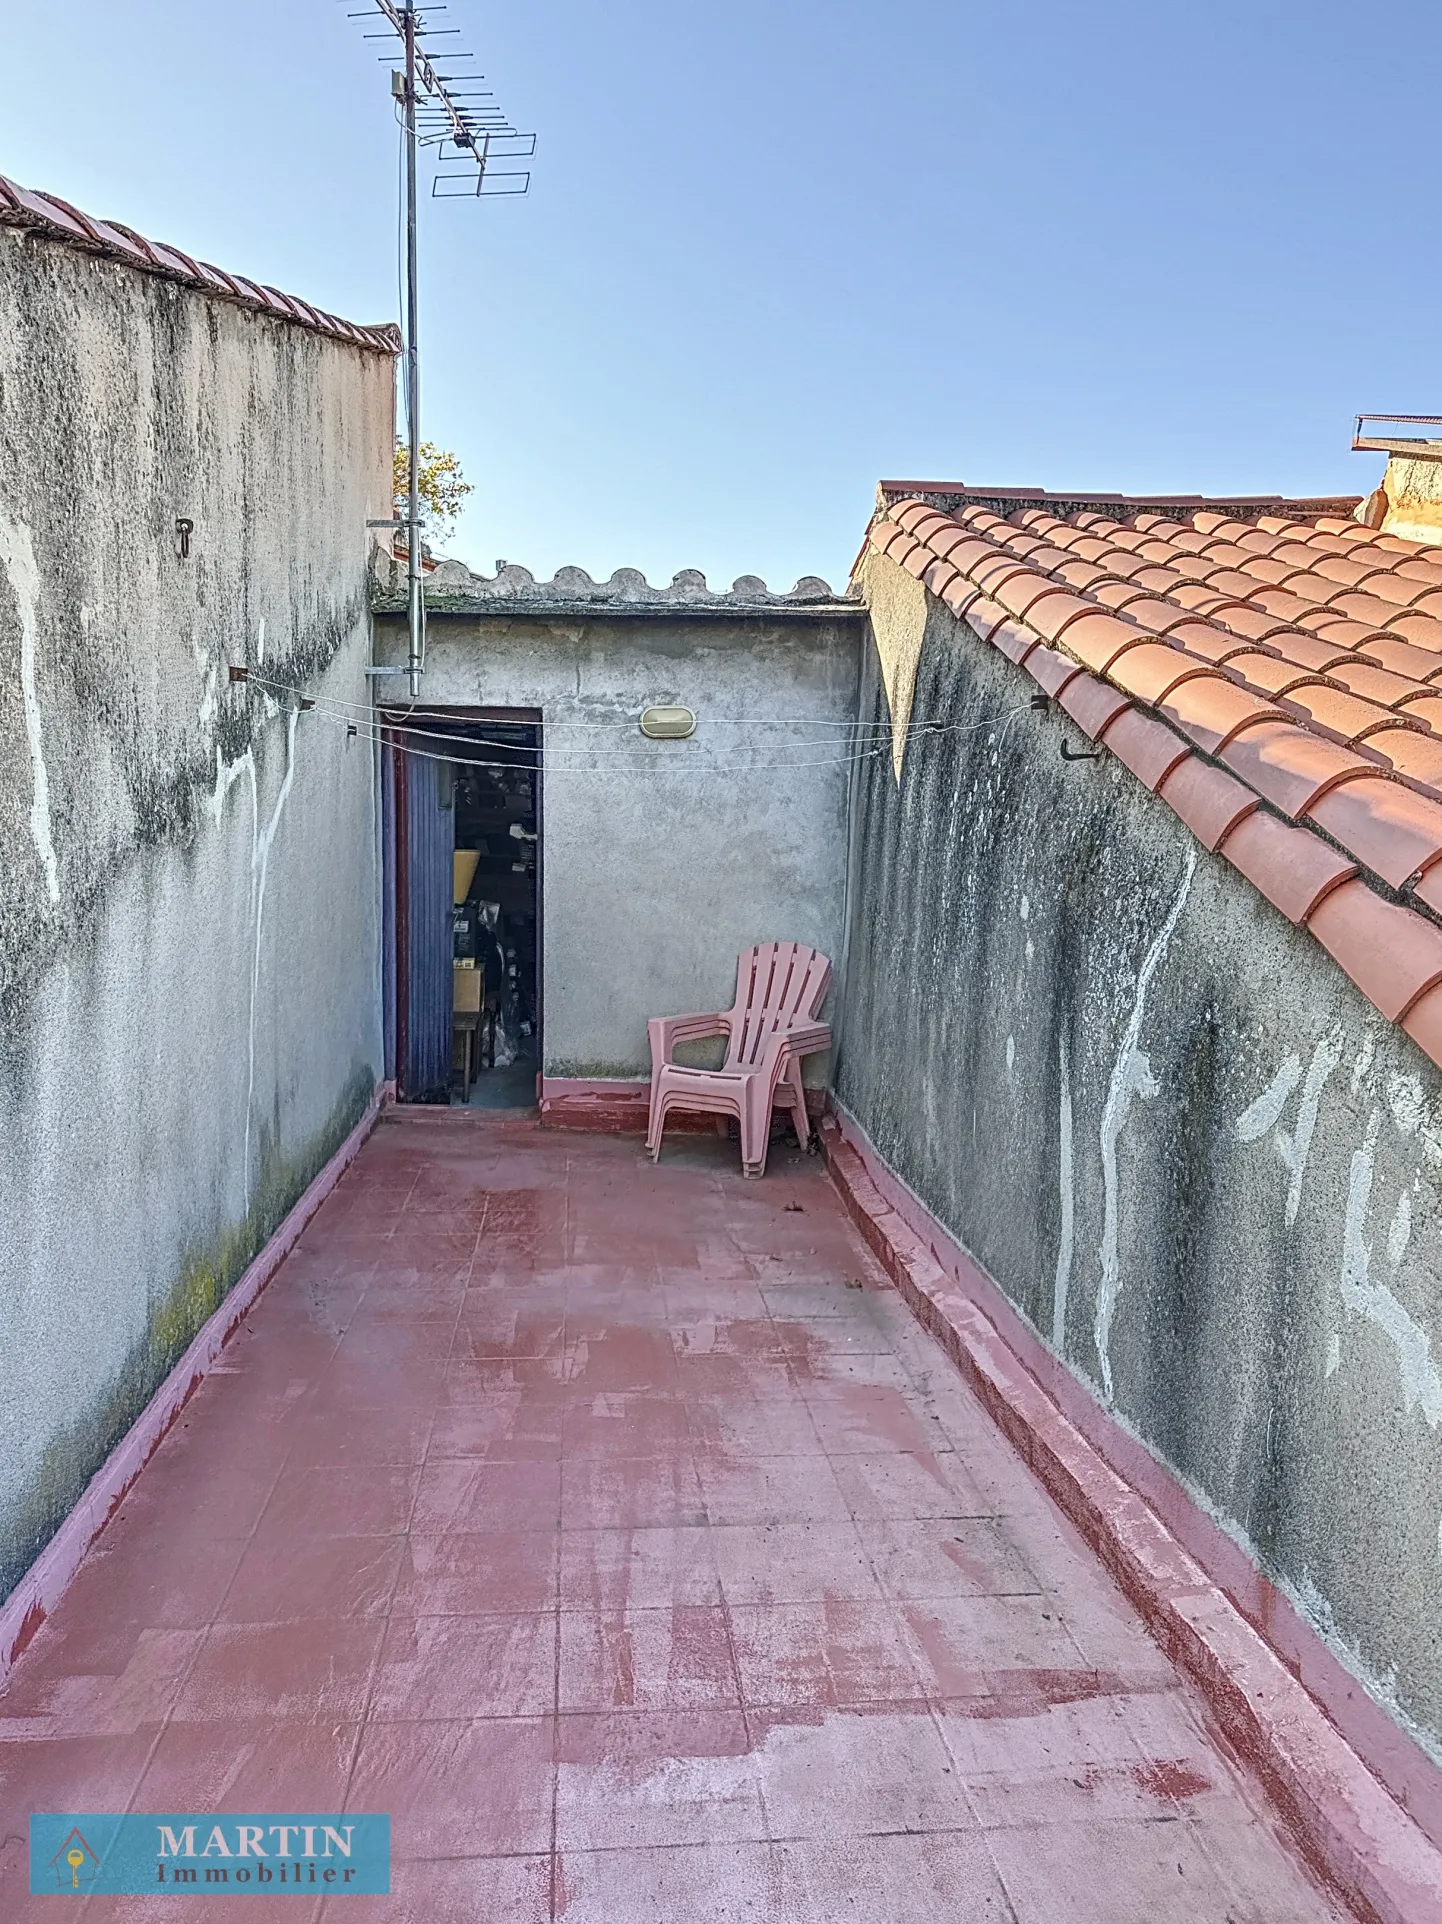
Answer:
(313, 1500)
(641, 1778)
(526, 1420)
(775, 1489)
(235, 1766)
(644, 1569)
(462, 1494)
(281, 1575)
(630, 1493)
(486, 1783)
(722, 1883)
(468, 1573)
(904, 1485)
(903, 1880)
(853, 1775)
(441, 1668)
(765, 1563)
(840, 1653)
(931, 1557)
(295, 1671)
(454, 1890)
(638, 1659)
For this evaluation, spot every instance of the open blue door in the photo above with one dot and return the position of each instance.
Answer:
(425, 846)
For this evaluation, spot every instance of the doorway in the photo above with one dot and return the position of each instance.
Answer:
(464, 905)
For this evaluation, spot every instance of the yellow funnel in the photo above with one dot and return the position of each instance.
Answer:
(464, 862)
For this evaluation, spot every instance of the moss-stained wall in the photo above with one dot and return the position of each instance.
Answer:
(188, 893)
(1184, 1145)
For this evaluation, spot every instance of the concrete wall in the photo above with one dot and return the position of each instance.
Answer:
(1187, 1149)
(661, 860)
(189, 1020)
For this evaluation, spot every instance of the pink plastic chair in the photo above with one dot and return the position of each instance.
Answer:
(779, 988)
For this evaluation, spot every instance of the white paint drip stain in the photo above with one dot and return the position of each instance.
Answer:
(1067, 1246)
(1010, 1053)
(260, 868)
(1131, 1077)
(17, 557)
(227, 774)
(1421, 1380)
(1266, 1111)
(1400, 1234)
(1294, 1148)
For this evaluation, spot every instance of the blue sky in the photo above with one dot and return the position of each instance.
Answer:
(776, 251)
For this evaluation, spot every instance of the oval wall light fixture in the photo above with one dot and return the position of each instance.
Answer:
(668, 724)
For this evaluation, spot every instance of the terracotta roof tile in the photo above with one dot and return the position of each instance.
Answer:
(1154, 670)
(1426, 709)
(1392, 955)
(1266, 674)
(1092, 704)
(960, 595)
(1390, 829)
(1210, 802)
(1300, 650)
(1020, 592)
(1098, 639)
(1377, 684)
(1422, 630)
(1052, 670)
(1148, 748)
(1412, 756)
(1213, 712)
(1291, 767)
(1332, 712)
(1016, 641)
(1308, 651)
(1157, 617)
(57, 220)
(1293, 869)
(1423, 1022)
(984, 615)
(1401, 658)
(1207, 643)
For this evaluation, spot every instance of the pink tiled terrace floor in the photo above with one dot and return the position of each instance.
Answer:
(617, 1531)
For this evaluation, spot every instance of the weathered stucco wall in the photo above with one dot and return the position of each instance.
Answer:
(661, 860)
(189, 1018)
(1171, 1129)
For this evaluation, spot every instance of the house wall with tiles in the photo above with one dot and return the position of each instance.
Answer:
(661, 860)
(188, 901)
(1191, 1153)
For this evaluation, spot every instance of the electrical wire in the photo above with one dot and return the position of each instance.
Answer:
(881, 734)
(378, 733)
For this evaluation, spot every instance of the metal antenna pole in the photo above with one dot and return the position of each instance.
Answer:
(415, 608)
(475, 136)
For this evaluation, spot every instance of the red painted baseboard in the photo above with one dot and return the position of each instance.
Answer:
(623, 1108)
(38, 1591)
(1328, 1756)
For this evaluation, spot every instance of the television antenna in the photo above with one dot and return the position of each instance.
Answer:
(469, 133)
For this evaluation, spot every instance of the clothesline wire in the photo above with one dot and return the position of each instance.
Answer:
(872, 737)
(380, 732)
(368, 709)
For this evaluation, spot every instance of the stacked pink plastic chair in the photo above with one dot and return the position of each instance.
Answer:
(779, 988)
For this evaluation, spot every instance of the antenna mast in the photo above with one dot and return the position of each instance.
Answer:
(477, 135)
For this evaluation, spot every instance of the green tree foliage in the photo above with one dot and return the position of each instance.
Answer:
(439, 482)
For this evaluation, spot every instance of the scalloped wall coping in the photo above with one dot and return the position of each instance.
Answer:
(453, 581)
(57, 220)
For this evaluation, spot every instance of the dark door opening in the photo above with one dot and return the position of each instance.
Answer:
(466, 840)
